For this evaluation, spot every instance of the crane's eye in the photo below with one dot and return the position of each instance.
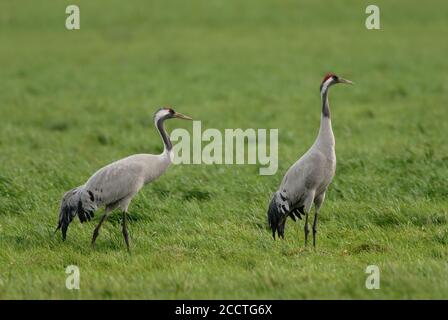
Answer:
(335, 78)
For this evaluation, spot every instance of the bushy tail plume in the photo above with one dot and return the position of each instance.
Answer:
(79, 202)
(277, 214)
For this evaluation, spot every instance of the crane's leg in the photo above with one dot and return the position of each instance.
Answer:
(124, 208)
(96, 232)
(317, 203)
(125, 229)
(307, 208)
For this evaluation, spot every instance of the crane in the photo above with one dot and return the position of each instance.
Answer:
(307, 180)
(116, 184)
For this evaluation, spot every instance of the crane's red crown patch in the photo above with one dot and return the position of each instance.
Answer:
(327, 76)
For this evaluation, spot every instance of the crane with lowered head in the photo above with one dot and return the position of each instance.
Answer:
(307, 180)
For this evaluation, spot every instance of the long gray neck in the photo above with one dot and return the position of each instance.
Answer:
(325, 137)
(164, 134)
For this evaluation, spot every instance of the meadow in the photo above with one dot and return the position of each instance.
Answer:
(74, 101)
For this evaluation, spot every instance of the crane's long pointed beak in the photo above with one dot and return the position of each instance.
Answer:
(182, 116)
(342, 80)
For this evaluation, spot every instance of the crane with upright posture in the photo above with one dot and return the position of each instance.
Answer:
(116, 184)
(307, 180)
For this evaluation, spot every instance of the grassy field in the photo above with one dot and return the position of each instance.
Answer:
(73, 101)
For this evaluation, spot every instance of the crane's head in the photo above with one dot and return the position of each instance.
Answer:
(169, 113)
(331, 79)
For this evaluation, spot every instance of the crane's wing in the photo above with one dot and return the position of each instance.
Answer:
(302, 177)
(116, 181)
(293, 184)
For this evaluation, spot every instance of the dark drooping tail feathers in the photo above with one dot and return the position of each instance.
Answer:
(277, 214)
(79, 202)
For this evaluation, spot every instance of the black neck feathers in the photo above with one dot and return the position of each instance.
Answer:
(163, 134)
(325, 104)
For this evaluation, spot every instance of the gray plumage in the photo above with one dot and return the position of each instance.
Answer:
(116, 184)
(307, 180)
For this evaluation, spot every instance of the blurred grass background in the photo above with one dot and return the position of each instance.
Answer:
(73, 101)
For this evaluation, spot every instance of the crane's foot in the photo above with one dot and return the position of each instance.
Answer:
(307, 232)
(96, 232)
(126, 239)
(314, 238)
(95, 235)
(125, 231)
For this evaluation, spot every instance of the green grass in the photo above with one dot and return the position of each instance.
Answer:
(73, 101)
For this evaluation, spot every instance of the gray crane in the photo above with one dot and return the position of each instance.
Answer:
(116, 184)
(307, 180)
